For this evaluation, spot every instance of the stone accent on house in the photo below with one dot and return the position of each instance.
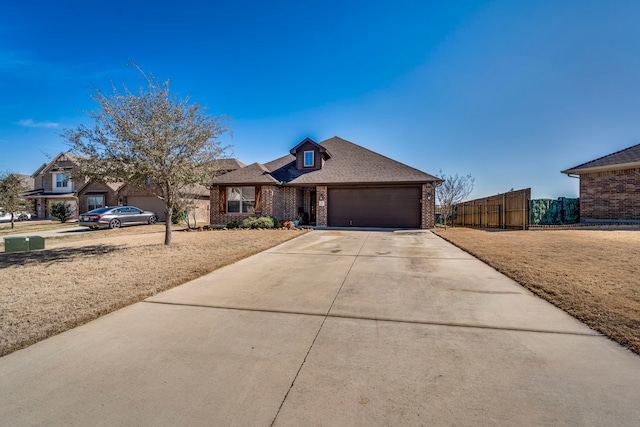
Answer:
(610, 195)
(428, 206)
(321, 200)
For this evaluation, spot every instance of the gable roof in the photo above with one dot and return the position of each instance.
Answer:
(113, 186)
(323, 150)
(255, 173)
(623, 159)
(349, 164)
(228, 164)
(62, 157)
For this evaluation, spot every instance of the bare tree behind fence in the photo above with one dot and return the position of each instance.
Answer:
(506, 210)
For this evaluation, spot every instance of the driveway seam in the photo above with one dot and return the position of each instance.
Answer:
(318, 333)
(384, 319)
(465, 258)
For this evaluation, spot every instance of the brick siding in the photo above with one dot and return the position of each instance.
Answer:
(610, 195)
(279, 202)
(111, 197)
(322, 216)
(428, 216)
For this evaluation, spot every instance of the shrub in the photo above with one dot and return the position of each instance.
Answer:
(262, 222)
(232, 224)
(178, 215)
(63, 211)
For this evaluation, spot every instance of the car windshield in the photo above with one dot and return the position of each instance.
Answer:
(97, 211)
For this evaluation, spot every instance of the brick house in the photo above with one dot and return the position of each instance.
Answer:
(332, 183)
(54, 183)
(610, 187)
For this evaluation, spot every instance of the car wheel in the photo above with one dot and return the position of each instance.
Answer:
(115, 223)
(153, 219)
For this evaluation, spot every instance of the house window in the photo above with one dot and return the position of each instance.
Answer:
(62, 180)
(241, 200)
(308, 159)
(95, 202)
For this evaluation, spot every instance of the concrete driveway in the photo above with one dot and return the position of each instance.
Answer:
(334, 328)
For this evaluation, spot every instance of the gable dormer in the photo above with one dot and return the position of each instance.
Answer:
(310, 155)
(56, 176)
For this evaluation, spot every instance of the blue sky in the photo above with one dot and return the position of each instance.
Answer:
(510, 91)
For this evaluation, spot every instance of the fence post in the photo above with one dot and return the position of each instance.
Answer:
(524, 209)
(504, 210)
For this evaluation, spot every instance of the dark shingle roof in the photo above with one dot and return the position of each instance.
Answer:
(228, 164)
(627, 156)
(255, 173)
(349, 164)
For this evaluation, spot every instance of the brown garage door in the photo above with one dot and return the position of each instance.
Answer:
(148, 203)
(374, 207)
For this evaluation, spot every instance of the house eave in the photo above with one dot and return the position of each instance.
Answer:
(596, 169)
(361, 183)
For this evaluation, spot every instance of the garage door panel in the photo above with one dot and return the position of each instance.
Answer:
(148, 203)
(374, 207)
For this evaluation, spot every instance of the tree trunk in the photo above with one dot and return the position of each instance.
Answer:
(167, 227)
(168, 200)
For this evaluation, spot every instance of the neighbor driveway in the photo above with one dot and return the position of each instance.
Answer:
(333, 328)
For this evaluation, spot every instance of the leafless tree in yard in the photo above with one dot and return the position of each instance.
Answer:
(453, 190)
(11, 187)
(151, 139)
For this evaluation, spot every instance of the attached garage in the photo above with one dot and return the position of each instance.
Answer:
(148, 203)
(388, 207)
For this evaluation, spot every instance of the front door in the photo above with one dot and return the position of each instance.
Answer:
(312, 207)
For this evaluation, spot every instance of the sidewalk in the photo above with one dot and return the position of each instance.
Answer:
(64, 230)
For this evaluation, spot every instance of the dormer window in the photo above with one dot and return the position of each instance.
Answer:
(308, 159)
(306, 154)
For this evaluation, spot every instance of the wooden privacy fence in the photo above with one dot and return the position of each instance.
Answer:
(507, 210)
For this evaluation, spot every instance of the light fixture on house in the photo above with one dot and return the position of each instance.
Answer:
(322, 196)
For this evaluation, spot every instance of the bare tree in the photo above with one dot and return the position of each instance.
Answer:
(151, 139)
(454, 189)
(11, 187)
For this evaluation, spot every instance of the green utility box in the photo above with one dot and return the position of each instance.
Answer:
(21, 244)
(36, 242)
(16, 244)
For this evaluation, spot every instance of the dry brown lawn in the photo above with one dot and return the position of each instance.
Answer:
(593, 275)
(75, 280)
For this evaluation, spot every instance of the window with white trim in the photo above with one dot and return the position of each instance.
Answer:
(308, 159)
(241, 200)
(95, 202)
(62, 180)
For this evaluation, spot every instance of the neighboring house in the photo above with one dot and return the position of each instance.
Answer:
(53, 184)
(332, 183)
(610, 187)
(196, 197)
(94, 195)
